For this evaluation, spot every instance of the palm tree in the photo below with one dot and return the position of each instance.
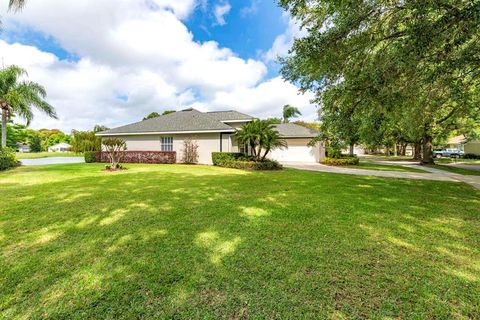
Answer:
(16, 5)
(260, 135)
(248, 135)
(18, 96)
(290, 112)
(271, 140)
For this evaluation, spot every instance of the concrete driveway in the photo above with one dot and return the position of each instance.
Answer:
(52, 160)
(434, 174)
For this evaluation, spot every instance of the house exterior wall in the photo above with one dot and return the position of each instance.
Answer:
(298, 151)
(472, 147)
(207, 143)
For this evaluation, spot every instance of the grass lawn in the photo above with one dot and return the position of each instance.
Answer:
(36, 155)
(175, 241)
(365, 164)
(456, 170)
(461, 161)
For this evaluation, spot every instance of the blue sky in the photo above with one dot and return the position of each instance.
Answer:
(251, 27)
(111, 62)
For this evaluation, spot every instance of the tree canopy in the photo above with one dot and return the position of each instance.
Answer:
(394, 70)
(156, 114)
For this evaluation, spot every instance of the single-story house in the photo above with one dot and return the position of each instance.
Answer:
(213, 132)
(60, 147)
(22, 147)
(461, 143)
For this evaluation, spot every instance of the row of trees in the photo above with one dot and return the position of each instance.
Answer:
(389, 72)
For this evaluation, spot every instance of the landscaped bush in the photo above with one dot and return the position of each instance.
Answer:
(90, 156)
(221, 157)
(241, 161)
(7, 159)
(342, 161)
(471, 156)
(252, 165)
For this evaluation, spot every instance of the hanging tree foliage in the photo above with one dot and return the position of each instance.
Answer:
(411, 64)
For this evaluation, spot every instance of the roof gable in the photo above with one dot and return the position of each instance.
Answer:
(188, 120)
(292, 130)
(230, 115)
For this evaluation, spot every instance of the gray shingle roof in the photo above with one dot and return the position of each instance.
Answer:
(185, 120)
(229, 115)
(292, 130)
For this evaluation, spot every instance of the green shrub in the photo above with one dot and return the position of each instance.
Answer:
(237, 160)
(90, 156)
(471, 156)
(343, 161)
(334, 152)
(7, 159)
(220, 157)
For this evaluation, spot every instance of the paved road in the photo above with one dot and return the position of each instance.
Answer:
(52, 160)
(434, 174)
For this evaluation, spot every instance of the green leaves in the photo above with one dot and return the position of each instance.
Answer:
(290, 112)
(402, 69)
(17, 96)
(260, 135)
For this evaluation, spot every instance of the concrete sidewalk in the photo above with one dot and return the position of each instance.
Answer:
(434, 174)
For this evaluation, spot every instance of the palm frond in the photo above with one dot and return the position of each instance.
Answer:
(16, 5)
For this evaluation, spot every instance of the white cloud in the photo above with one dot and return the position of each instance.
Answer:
(220, 11)
(136, 57)
(267, 99)
(251, 9)
(284, 41)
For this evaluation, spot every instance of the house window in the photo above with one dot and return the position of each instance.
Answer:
(167, 144)
(243, 148)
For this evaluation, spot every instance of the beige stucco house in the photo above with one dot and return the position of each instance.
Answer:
(213, 132)
(461, 143)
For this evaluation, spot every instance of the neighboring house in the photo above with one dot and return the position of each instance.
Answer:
(213, 132)
(461, 143)
(22, 147)
(60, 147)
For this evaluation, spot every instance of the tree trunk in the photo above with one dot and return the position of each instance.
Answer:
(4, 128)
(417, 151)
(265, 154)
(352, 149)
(427, 149)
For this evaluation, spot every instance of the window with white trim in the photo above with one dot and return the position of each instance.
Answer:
(243, 148)
(166, 144)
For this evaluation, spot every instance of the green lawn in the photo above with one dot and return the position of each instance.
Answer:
(35, 155)
(471, 172)
(365, 164)
(176, 241)
(452, 160)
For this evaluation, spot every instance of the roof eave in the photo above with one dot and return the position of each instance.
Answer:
(106, 134)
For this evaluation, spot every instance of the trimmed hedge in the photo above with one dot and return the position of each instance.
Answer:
(252, 165)
(153, 157)
(240, 161)
(471, 156)
(343, 161)
(7, 159)
(90, 156)
(220, 157)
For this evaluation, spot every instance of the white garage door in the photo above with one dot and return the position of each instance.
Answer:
(294, 154)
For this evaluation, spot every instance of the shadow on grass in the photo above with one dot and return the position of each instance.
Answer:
(196, 242)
